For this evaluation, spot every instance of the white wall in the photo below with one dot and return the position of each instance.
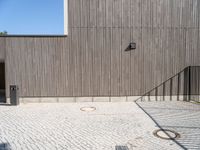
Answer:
(66, 17)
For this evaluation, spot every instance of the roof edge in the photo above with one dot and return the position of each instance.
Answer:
(34, 36)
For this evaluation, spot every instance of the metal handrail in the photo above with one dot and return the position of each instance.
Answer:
(163, 83)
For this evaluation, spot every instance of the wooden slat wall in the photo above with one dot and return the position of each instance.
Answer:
(91, 60)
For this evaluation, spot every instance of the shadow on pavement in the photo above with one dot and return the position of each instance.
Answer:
(182, 117)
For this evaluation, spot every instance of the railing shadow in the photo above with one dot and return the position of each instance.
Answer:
(168, 105)
(184, 121)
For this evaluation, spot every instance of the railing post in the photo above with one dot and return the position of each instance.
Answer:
(149, 99)
(156, 94)
(164, 91)
(178, 87)
(189, 86)
(171, 86)
(185, 92)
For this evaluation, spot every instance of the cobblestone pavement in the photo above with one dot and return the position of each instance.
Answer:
(179, 116)
(64, 126)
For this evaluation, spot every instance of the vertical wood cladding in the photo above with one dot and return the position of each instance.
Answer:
(92, 61)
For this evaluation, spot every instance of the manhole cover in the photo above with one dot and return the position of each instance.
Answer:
(88, 109)
(166, 134)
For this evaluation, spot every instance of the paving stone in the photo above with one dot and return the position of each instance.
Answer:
(64, 126)
(118, 99)
(179, 116)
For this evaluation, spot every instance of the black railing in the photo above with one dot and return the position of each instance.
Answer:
(194, 84)
(184, 85)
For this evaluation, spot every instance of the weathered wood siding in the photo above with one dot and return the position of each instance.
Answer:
(91, 60)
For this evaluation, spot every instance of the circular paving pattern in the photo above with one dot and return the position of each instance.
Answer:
(88, 109)
(166, 134)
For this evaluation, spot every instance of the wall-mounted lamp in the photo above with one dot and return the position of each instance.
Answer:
(131, 46)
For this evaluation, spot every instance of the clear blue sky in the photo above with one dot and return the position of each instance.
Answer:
(32, 16)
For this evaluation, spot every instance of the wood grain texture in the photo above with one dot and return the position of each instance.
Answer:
(92, 61)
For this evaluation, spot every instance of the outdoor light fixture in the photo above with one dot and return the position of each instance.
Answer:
(131, 46)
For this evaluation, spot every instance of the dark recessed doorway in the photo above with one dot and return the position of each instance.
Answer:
(2, 83)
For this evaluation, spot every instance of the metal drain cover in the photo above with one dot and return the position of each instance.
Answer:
(166, 134)
(121, 148)
(88, 109)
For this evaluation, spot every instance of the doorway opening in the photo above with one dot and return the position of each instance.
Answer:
(2, 83)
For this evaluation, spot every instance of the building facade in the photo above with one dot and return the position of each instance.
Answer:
(92, 60)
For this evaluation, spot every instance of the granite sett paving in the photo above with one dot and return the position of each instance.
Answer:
(182, 117)
(64, 126)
